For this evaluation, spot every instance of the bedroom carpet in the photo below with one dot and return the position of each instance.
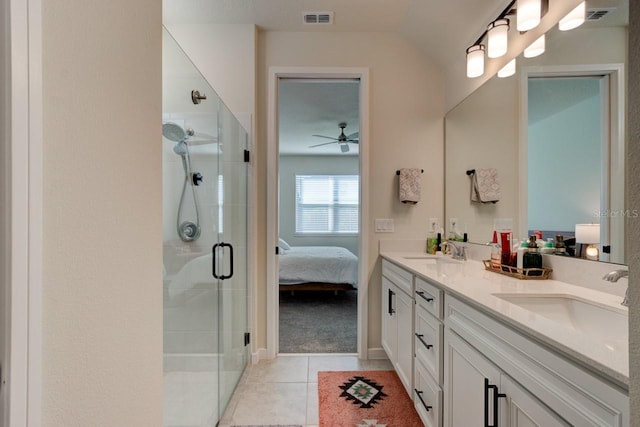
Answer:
(363, 399)
(318, 322)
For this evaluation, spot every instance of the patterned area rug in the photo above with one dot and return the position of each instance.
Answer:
(364, 399)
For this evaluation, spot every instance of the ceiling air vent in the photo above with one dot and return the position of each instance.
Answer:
(597, 14)
(317, 17)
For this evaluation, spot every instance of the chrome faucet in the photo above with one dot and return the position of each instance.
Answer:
(614, 276)
(458, 249)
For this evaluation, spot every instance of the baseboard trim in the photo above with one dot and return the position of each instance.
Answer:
(377, 353)
(259, 355)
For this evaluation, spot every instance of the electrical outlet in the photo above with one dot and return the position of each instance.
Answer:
(384, 226)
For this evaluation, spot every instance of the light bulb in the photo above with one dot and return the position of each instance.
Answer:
(536, 48)
(574, 19)
(508, 70)
(498, 35)
(475, 61)
(528, 13)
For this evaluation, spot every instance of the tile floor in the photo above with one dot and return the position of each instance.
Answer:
(285, 390)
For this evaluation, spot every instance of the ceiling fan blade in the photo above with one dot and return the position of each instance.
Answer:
(355, 135)
(327, 137)
(353, 141)
(324, 143)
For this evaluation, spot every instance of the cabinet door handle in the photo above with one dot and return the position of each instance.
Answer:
(390, 305)
(496, 396)
(419, 336)
(419, 394)
(421, 294)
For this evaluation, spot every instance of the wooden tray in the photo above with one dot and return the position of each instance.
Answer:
(519, 273)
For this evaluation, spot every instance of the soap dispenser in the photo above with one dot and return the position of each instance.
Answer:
(532, 259)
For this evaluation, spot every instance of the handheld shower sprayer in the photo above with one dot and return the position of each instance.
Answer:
(187, 230)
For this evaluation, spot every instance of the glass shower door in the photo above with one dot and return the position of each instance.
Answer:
(233, 302)
(204, 236)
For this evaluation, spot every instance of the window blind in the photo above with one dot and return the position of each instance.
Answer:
(327, 203)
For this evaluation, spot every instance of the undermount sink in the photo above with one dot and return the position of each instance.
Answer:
(427, 259)
(609, 324)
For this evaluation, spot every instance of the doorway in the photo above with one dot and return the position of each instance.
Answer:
(573, 125)
(318, 212)
(334, 215)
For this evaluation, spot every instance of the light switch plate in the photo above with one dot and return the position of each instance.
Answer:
(384, 225)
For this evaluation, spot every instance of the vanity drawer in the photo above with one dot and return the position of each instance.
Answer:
(428, 342)
(429, 297)
(427, 397)
(400, 277)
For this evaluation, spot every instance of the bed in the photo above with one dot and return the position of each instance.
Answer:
(316, 268)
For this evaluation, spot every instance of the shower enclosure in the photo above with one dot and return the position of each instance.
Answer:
(205, 251)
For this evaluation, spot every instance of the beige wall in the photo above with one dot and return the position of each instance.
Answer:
(102, 252)
(633, 202)
(406, 125)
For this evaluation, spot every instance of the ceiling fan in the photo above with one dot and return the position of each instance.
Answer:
(342, 139)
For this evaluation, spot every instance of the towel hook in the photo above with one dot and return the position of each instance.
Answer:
(471, 172)
(421, 171)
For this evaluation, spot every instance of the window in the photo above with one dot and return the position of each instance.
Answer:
(327, 204)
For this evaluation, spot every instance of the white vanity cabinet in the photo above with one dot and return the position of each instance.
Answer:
(480, 394)
(397, 321)
(536, 386)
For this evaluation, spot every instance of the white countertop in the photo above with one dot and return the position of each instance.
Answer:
(469, 281)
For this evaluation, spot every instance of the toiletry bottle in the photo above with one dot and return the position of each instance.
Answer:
(523, 249)
(561, 248)
(505, 247)
(548, 248)
(431, 236)
(495, 256)
(532, 259)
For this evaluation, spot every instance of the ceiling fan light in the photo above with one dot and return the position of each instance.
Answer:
(498, 35)
(536, 48)
(508, 70)
(528, 14)
(574, 19)
(344, 148)
(475, 61)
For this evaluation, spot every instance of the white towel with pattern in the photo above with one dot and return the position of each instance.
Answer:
(485, 187)
(410, 185)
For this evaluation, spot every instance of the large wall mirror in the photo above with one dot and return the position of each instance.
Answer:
(555, 133)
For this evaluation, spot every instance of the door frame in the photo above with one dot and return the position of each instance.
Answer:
(23, 191)
(613, 156)
(275, 74)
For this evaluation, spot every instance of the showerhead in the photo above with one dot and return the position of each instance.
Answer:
(175, 132)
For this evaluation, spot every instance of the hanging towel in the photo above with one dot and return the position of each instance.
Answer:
(485, 187)
(410, 185)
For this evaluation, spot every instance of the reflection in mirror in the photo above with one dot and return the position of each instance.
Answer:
(555, 134)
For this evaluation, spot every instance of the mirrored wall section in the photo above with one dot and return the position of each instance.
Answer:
(205, 249)
(555, 133)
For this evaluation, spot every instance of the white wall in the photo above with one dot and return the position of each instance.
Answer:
(289, 167)
(102, 253)
(633, 202)
(406, 111)
(5, 201)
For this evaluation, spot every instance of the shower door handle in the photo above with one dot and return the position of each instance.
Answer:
(230, 246)
(214, 266)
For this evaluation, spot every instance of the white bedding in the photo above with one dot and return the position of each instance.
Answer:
(319, 264)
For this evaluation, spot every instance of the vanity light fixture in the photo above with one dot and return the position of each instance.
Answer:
(497, 38)
(508, 70)
(574, 19)
(589, 235)
(536, 48)
(529, 14)
(475, 60)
